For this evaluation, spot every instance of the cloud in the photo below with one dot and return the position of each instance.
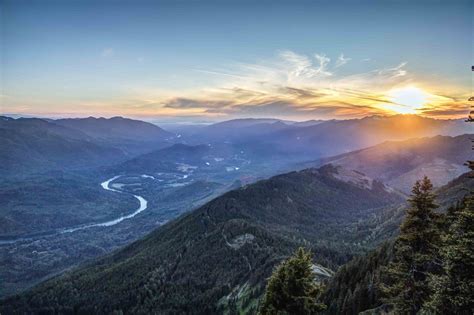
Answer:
(323, 63)
(378, 98)
(341, 60)
(220, 73)
(293, 85)
(301, 93)
(397, 71)
(282, 108)
(300, 67)
(282, 101)
(446, 110)
(185, 103)
(271, 107)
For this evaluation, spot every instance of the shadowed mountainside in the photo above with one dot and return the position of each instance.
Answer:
(29, 145)
(132, 136)
(235, 239)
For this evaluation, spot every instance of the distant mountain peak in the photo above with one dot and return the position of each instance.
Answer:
(5, 118)
(116, 128)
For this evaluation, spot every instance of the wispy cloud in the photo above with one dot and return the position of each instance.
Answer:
(398, 71)
(220, 73)
(302, 67)
(293, 86)
(185, 103)
(341, 60)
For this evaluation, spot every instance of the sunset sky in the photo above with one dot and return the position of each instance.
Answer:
(204, 61)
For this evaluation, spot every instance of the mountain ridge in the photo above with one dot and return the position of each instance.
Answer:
(400, 163)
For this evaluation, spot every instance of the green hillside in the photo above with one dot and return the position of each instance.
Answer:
(217, 258)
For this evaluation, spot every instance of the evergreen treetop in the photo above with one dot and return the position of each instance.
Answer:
(415, 252)
(292, 288)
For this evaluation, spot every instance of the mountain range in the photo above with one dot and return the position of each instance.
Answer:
(347, 198)
(30, 145)
(316, 139)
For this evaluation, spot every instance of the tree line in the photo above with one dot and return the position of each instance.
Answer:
(429, 271)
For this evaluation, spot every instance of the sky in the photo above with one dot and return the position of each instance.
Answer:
(216, 60)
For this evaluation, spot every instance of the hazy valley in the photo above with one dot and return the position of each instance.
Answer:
(76, 189)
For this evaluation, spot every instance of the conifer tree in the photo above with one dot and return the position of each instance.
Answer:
(292, 288)
(454, 289)
(415, 252)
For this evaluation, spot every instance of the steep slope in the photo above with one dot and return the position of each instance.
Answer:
(198, 263)
(356, 285)
(34, 145)
(400, 163)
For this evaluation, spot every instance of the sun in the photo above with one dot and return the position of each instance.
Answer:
(407, 100)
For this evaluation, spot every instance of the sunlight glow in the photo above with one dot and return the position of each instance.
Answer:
(407, 100)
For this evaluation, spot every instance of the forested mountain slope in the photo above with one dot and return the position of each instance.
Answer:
(116, 128)
(356, 286)
(217, 258)
(29, 145)
(132, 136)
(55, 200)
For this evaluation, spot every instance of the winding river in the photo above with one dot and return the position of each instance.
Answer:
(143, 205)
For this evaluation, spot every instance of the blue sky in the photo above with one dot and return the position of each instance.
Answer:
(194, 59)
